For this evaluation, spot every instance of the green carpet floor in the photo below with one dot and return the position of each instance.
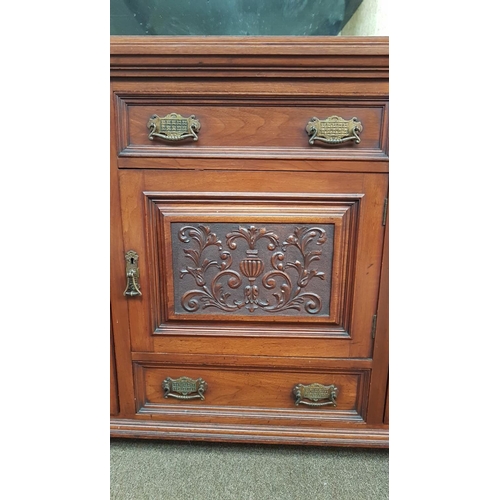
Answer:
(165, 470)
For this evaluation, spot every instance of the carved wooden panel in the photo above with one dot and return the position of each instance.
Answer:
(252, 270)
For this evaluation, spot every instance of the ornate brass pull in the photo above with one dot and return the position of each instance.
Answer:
(311, 395)
(132, 273)
(184, 387)
(173, 127)
(334, 130)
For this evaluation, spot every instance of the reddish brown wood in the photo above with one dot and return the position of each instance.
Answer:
(119, 306)
(252, 361)
(338, 435)
(248, 127)
(341, 164)
(386, 410)
(250, 394)
(380, 375)
(268, 57)
(261, 199)
(252, 166)
(113, 391)
(355, 48)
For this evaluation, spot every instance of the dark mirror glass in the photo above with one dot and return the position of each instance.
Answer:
(231, 17)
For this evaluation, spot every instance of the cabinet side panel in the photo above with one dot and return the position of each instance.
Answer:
(381, 345)
(386, 411)
(113, 391)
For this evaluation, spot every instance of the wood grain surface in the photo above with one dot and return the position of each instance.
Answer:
(306, 303)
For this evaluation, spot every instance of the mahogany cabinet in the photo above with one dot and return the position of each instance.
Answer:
(249, 259)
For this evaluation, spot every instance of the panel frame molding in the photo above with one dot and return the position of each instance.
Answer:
(291, 205)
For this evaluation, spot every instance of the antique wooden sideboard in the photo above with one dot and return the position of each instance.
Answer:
(249, 239)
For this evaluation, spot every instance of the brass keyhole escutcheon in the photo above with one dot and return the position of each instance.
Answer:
(132, 274)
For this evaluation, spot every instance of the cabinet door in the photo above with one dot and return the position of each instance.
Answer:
(253, 262)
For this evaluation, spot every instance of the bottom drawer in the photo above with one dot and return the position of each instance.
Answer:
(250, 393)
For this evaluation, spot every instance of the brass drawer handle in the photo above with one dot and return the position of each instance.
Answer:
(132, 273)
(334, 130)
(311, 395)
(184, 387)
(173, 127)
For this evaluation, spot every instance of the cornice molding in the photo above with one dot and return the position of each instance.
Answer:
(341, 57)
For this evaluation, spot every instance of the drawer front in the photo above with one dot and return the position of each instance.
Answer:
(251, 393)
(242, 128)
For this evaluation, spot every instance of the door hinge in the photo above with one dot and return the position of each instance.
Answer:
(384, 214)
(374, 325)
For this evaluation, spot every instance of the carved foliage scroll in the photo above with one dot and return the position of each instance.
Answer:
(251, 269)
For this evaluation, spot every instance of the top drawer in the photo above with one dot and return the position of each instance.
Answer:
(250, 128)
